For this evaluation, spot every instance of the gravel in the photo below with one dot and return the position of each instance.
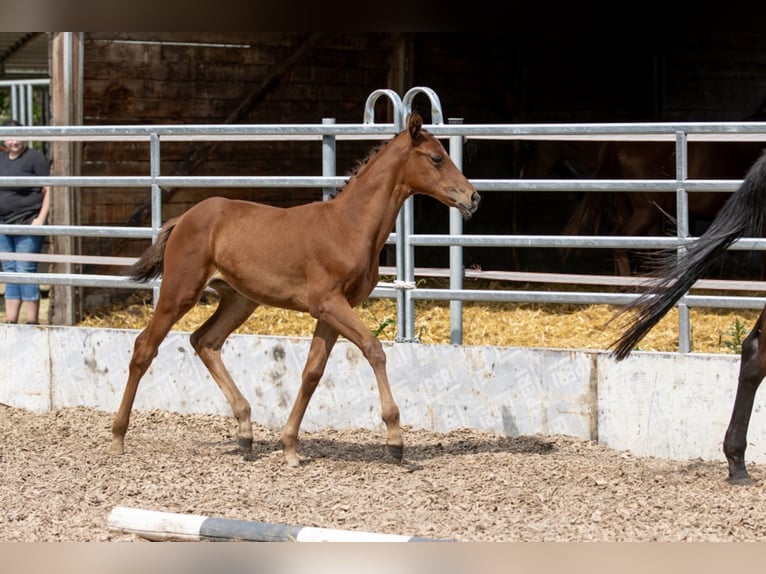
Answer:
(58, 482)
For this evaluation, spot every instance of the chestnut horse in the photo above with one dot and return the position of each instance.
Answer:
(743, 215)
(320, 258)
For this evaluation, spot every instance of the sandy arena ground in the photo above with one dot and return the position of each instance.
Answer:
(59, 483)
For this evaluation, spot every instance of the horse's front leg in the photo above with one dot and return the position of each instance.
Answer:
(341, 316)
(321, 345)
(752, 369)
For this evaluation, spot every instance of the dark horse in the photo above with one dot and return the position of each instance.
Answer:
(643, 212)
(320, 258)
(743, 215)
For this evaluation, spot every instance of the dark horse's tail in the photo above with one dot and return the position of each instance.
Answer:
(743, 215)
(149, 265)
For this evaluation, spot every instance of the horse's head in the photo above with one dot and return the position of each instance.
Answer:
(430, 170)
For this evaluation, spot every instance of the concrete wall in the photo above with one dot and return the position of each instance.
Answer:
(654, 404)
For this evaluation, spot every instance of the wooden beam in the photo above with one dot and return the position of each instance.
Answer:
(66, 110)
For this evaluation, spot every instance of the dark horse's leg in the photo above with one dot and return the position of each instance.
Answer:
(233, 310)
(752, 369)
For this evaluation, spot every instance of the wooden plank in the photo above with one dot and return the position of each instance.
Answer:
(579, 279)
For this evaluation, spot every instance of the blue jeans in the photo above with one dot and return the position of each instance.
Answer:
(21, 244)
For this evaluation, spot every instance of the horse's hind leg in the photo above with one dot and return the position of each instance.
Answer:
(752, 370)
(321, 345)
(232, 311)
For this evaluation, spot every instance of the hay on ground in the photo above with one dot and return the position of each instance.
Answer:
(493, 324)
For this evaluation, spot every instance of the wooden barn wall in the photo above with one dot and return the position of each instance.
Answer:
(529, 76)
(714, 76)
(133, 78)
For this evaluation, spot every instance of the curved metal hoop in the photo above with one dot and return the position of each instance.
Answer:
(369, 107)
(436, 106)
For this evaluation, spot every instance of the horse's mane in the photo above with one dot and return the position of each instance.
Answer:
(360, 164)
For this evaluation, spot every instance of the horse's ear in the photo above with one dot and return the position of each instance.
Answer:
(414, 124)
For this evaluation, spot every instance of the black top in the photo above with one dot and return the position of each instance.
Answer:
(22, 204)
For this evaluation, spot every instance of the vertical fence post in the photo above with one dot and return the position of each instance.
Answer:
(28, 95)
(401, 310)
(409, 269)
(154, 172)
(456, 251)
(682, 232)
(329, 159)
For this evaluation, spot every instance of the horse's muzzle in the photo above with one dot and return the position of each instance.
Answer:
(468, 211)
(465, 203)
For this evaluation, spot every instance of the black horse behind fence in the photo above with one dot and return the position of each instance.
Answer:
(743, 215)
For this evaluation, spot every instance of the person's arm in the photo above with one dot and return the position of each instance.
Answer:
(42, 167)
(43, 214)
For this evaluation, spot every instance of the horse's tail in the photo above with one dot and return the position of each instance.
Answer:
(596, 211)
(149, 265)
(588, 216)
(585, 218)
(743, 215)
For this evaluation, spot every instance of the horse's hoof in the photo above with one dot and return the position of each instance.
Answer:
(245, 444)
(249, 456)
(396, 451)
(117, 448)
(741, 480)
(292, 459)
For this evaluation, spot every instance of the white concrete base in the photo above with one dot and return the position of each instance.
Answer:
(656, 404)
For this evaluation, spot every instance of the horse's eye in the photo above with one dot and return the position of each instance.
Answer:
(437, 159)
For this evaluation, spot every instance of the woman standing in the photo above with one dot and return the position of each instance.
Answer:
(22, 206)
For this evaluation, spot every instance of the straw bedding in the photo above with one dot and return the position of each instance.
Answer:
(493, 324)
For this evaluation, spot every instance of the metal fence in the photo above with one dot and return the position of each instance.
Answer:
(404, 288)
(28, 100)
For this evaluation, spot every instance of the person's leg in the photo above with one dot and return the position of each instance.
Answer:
(12, 292)
(12, 307)
(32, 312)
(30, 293)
